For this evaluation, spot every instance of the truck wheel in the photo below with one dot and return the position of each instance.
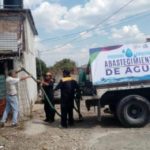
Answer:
(133, 111)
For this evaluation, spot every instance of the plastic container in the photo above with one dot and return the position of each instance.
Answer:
(13, 4)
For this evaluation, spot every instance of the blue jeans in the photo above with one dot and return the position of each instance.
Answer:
(11, 104)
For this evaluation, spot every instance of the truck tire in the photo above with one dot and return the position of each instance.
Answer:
(133, 111)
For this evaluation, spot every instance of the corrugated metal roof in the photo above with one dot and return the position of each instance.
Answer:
(8, 42)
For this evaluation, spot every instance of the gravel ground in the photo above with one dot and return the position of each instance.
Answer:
(89, 134)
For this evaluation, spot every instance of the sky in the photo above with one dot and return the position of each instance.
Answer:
(69, 28)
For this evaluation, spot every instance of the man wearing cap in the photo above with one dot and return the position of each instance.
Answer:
(67, 85)
(11, 98)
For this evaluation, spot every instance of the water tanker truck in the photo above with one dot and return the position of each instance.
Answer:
(121, 74)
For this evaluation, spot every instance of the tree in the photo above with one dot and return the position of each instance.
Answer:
(63, 64)
(41, 67)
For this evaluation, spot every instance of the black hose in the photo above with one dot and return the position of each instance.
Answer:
(47, 98)
(77, 102)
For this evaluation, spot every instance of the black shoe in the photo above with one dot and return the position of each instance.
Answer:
(71, 124)
(46, 120)
(51, 121)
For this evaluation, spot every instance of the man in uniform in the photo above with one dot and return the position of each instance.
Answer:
(67, 85)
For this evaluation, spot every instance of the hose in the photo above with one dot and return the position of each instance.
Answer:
(47, 98)
(78, 109)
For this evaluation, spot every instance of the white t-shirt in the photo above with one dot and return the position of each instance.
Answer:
(11, 85)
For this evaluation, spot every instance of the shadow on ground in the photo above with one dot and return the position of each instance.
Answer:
(87, 122)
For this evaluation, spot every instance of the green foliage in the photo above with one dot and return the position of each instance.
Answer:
(41, 67)
(63, 64)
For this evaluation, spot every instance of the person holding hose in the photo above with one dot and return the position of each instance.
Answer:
(11, 97)
(67, 85)
(47, 85)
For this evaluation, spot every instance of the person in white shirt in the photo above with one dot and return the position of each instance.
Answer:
(12, 98)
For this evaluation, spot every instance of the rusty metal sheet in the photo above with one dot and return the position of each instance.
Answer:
(8, 41)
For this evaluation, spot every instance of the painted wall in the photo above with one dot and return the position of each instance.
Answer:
(28, 88)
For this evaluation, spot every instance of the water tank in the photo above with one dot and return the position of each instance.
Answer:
(13, 4)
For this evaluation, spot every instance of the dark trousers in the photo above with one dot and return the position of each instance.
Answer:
(67, 116)
(49, 112)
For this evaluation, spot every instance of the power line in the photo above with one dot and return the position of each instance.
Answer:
(47, 51)
(97, 25)
(111, 25)
(109, 17)
(52, 52)
(60, 37)
(136, 16)
(89, 29)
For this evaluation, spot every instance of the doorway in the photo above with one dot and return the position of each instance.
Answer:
(5, 66)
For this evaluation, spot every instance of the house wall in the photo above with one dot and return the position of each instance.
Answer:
(24, 99)
(28, 88)
(30, 59)
(7, 25)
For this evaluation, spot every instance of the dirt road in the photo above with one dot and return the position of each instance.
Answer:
(89, 134)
